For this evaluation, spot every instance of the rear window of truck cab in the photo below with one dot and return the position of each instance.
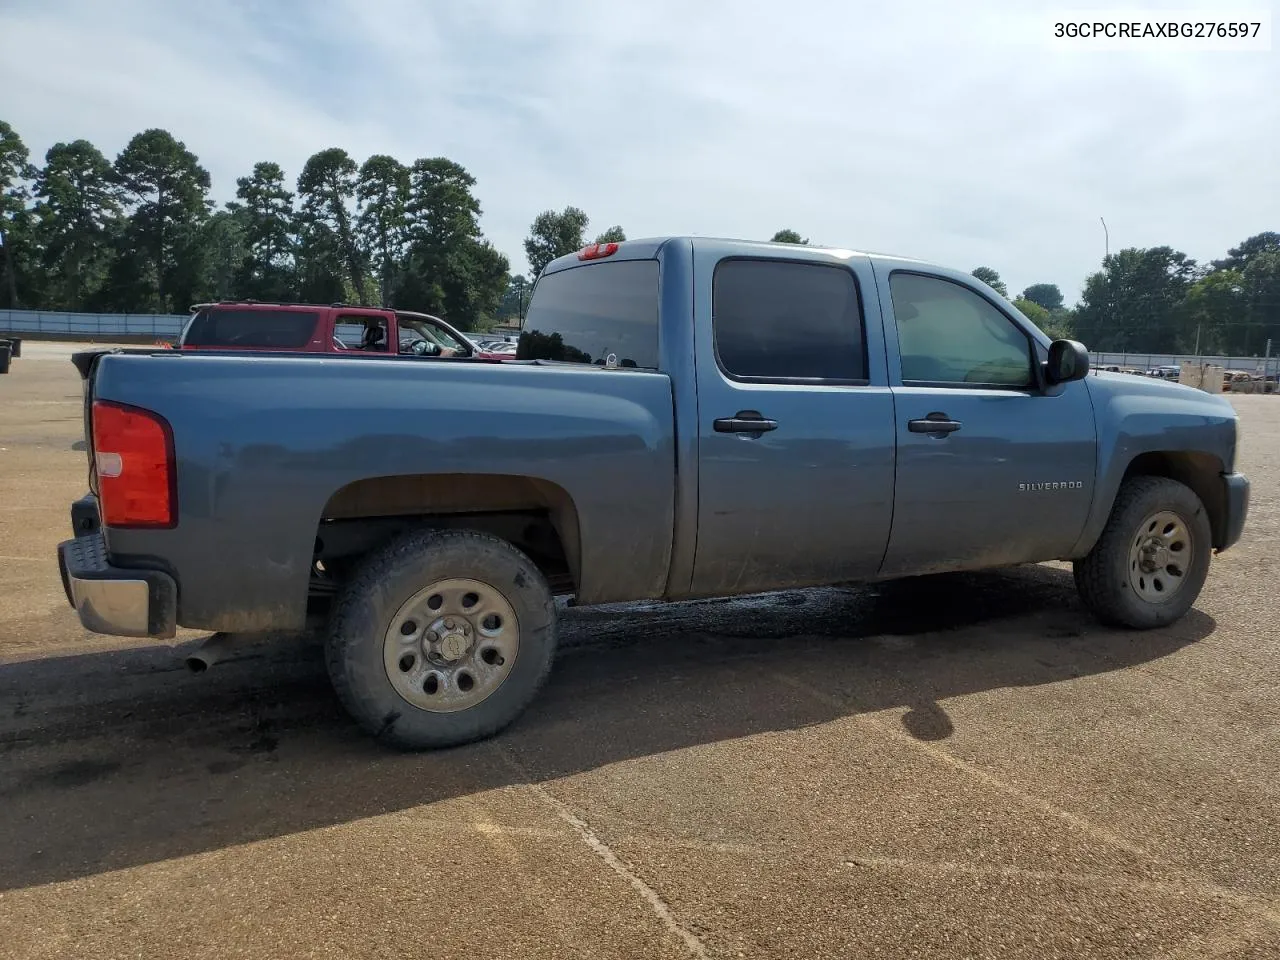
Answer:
(222, 327)
(587, 314)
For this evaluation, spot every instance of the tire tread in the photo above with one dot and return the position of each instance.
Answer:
(350, 625)
(1093, 573)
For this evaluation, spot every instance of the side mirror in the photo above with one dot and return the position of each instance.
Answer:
(1068, 360)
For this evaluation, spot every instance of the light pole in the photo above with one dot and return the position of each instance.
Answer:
(1106, 239)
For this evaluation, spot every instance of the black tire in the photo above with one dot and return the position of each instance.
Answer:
(1102, 576)
(387, 579)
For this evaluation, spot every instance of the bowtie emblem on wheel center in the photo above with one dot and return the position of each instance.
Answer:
(453, 646)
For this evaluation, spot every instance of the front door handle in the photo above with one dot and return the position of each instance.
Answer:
(937, 424)
(744, 421)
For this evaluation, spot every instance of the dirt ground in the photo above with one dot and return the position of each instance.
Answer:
(971, 768)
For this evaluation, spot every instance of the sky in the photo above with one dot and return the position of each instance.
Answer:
(957, 132)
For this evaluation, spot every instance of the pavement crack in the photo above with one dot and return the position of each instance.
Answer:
(692, 943)
(973, 771)
(501, 838)
(1264, 912)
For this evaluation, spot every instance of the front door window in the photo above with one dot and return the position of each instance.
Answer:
(948, 334)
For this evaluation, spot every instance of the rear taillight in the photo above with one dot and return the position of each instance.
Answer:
(133, 454)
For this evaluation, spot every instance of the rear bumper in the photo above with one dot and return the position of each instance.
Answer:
(1236, 487)
(114, 600)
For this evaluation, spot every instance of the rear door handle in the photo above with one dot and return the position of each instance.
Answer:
(744, 421)
(938, 424)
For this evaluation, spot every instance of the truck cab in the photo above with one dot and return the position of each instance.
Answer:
(337, 328)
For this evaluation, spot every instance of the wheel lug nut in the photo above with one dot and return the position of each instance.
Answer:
(432, 636)
(448, 624)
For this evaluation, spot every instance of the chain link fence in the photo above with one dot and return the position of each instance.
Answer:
(104, 326)
(1239, 374)
(1145, 362)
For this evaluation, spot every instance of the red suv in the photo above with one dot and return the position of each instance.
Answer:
(308, 328)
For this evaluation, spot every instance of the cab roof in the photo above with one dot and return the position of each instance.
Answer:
(647, 248)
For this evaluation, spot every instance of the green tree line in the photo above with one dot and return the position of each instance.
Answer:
(140, 234)
(1159, 300)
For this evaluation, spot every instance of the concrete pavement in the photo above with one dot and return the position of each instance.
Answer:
(961, 767)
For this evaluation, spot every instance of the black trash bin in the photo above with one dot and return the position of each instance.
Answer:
(5, 354)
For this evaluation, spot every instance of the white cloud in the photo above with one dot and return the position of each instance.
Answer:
(946, 131)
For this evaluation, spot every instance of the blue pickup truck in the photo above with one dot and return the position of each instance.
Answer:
(685, 418)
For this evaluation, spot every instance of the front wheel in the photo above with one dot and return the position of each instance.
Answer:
(441, 638)
(1148, 567)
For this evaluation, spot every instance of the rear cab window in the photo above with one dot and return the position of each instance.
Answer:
(599, 313)
(229, 327)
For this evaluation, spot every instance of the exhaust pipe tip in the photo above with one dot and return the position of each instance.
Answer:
(214, 649)
(218, 647)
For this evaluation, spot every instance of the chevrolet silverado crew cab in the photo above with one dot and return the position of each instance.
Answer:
(682, 415)
(310, 328)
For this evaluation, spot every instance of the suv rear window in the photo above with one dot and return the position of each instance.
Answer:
(586, 313)
(282, 329)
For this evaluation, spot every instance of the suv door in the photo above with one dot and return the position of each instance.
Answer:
(993, 467)
(795, 421)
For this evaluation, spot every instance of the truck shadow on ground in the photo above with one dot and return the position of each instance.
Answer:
(111, 760)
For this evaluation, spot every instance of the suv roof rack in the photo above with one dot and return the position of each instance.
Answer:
(250, 301)
(263, 303)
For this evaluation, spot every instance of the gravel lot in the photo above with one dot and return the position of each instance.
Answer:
(968, 767)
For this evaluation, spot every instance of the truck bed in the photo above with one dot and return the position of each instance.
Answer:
(264, 443)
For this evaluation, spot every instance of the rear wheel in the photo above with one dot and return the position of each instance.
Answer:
(1149, 565)
(441, 638)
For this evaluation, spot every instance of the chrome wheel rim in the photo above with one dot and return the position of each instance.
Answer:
(1160, 557)
(451, 645)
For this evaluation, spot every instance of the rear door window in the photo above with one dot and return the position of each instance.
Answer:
(788, 320)
(281, 329)
(350, 333)
(590, 313)
(362, 332)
